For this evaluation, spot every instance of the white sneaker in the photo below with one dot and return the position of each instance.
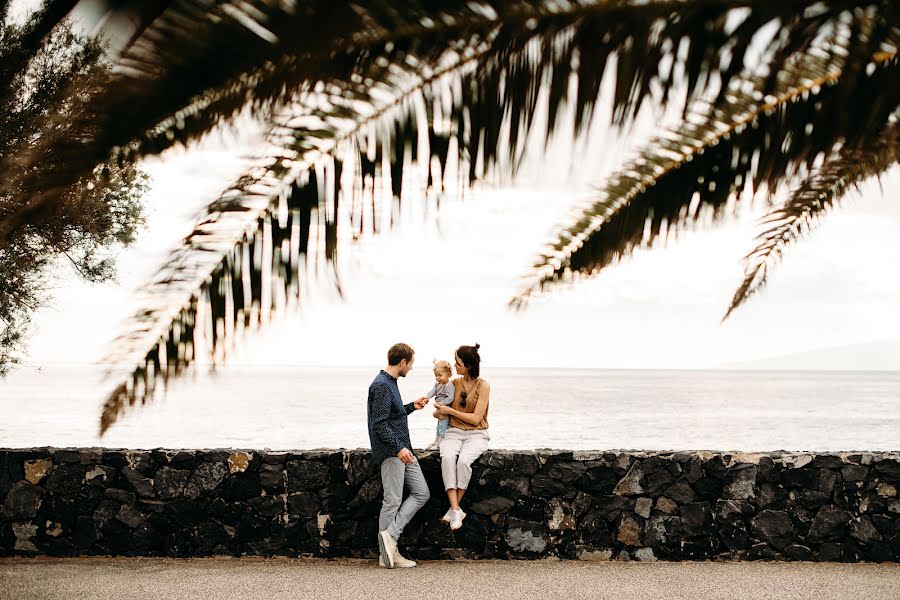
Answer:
(432, 446)
(402, 563)
(447, 515)
(388, 548)
(456, 519)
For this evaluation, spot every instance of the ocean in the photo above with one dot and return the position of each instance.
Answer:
(578, 409)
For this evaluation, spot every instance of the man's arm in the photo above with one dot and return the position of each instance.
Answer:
(381, 410)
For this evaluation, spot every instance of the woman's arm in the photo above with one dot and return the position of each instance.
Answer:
(472, 418)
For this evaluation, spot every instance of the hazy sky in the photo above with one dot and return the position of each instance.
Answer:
(438, 283)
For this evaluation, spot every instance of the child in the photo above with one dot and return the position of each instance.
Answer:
(442, 392)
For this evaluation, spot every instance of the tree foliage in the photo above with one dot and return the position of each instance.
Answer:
(98, 214)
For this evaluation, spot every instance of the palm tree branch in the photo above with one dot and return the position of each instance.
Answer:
(808, 203)
(716, 160)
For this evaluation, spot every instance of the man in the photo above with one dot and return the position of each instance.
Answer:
(391, 450)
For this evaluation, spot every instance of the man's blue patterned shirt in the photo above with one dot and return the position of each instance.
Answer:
(388, 427)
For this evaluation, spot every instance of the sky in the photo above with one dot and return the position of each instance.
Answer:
(440, 281)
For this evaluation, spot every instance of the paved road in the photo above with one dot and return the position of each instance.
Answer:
(277, 579)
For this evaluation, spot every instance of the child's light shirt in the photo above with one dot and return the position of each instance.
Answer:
(442, 392)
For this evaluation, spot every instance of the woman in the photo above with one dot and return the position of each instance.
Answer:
(467, 437)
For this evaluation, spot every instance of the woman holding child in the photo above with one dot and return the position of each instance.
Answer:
(466, 437)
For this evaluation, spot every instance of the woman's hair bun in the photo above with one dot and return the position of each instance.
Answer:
(477, 346)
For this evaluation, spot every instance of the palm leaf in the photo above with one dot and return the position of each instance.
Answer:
(810, 201)
(751, 141)
(197, 64)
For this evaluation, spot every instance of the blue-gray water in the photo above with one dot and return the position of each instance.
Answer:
(285, 408)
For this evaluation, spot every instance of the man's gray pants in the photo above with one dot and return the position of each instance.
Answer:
(396, 512)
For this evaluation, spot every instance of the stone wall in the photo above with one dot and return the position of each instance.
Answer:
(589, 506)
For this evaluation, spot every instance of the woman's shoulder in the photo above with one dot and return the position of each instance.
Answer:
(455, 380)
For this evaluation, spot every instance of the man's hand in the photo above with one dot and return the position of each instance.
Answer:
(421, 403)
(406, 457)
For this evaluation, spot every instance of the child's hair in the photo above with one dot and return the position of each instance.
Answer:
(442, 366)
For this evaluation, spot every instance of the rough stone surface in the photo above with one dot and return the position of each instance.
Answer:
(544, 504)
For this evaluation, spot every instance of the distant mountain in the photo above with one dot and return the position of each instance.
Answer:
(881, 355)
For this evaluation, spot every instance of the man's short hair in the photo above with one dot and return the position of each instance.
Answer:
(398, 352)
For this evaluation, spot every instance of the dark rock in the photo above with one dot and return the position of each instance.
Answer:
(774, 527)
(515, 486)
(57, 509)
(269, 506)
(715, 467)
(708, 488)
(529, 508)
(305, 475)
(768, 470)
(740, 482)
(303, 504)
(642, 507)
(61, 457)
(85, 533)
(271, 477)
(829, 552)
(629, 530)
(802, 477)
(830, 524)
(583, 503)
(770, 495)
(879, 552)
(100, 475)
(656, 482)
(179, 543)
(594, 529)
(662, 530)
(734, 536)
(278, 458)
(546, 486)
(526, 464)
(798, 552)
(567, 472)
(493, 505)
(863, 531)
(827, 480)
(889, 469)
(632, 483)
(22, 501)
(731, 511)
(185, 460)
(116, 537)
(525, 537)
(696, 517)
(693, 470)
(850, 553)
(680, 492)
(87, 499)
(123, 496)
(170, 483)
(241, 486)
(814, 499)
(884, 524)
(140, 484)
(107, 510)
(560, 516)
(184, 512)
(368, 493)
(66, 479)
(130, 516)
(611, 507)
(762, 551)
(826, 461)
(436, 533)
(205, 479)
(854, 472)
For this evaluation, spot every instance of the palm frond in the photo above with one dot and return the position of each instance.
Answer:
(751, 141)
(810, 201)
(197, 63)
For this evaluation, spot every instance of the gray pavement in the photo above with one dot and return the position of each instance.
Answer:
(304, 579)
